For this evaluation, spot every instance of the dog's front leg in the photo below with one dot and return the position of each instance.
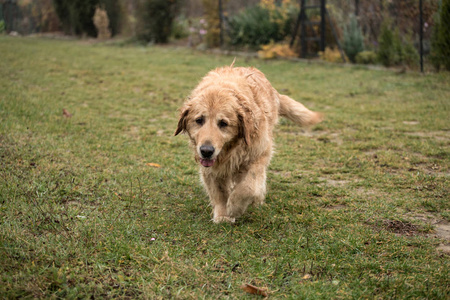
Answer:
(218, 190)
(250, 188)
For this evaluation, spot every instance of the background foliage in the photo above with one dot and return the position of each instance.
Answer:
(155, 19)
(260, 24)
(76, 16)
(441, 37)
(246, 26)
(353, 40)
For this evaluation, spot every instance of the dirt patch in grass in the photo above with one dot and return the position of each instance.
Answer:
(400, 227)
(408, 228)
(444, 248)
(441, 229)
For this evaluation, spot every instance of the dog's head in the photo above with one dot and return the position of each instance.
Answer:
(216, 121)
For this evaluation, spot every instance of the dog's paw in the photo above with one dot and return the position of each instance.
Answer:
(258, 202)
(223, 219)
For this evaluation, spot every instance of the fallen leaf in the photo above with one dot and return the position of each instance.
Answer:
(306, 277)
(251, 289)
(153, 165)
(66, 113)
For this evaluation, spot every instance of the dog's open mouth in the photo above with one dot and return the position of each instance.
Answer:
(207, 162)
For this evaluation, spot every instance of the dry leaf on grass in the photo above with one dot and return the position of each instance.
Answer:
(251, 289)
(153, 165)
(66, 113)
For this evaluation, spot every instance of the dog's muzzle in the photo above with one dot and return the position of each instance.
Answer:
(207, 152)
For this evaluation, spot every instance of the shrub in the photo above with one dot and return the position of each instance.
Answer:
(155, 19)
(76, 16)
(440, 41)
(366, 57)
(2, 26)
(261, 24)
(273, 50)
(392, 51)
(410, 55)
(353, 40)
(331, 55)
(386, 52)
(180, 28)
(197, 31)
(435, 55)
(101, 22)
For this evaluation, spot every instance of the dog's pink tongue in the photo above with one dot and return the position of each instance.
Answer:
(207, 162)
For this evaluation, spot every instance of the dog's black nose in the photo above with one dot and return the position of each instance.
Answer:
(207, 151)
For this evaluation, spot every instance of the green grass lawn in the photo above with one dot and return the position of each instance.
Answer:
(357, 206)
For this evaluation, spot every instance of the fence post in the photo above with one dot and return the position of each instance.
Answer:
(220, 23)
(322, 24)
(421, 35)
(302, 29)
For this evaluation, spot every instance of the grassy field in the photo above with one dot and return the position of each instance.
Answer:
(107, 203)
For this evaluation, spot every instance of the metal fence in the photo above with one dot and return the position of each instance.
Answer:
(412, 19)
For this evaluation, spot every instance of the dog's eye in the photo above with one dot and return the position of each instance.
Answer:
(199, 121)
(222, 124)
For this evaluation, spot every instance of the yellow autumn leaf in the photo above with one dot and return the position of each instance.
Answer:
(153, 165)
(251, 289)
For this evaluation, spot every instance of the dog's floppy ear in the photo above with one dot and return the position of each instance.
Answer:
(246, 128)
(182, 122)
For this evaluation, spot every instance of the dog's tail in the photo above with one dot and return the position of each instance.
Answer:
(297, 112)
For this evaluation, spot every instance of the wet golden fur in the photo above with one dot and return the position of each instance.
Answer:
(229, 118)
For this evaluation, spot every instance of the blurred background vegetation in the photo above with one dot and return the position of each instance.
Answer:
(369, 32)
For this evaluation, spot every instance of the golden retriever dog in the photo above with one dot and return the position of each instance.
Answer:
(229, 118)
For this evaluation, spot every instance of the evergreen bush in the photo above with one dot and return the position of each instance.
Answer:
(440, 41)
(392, 51)
(353, 40)
(435, 55)
(155, 20)
(385, 42)
(259, 25)
(411, 56)
(76, 16)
